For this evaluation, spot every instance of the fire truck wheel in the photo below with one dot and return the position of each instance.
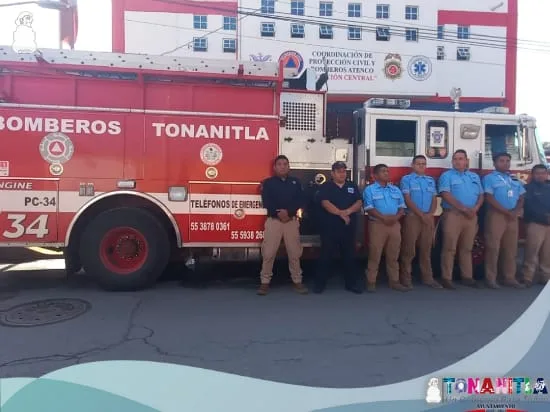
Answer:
(125, 249)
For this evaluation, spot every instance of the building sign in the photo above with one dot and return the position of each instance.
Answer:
(344, 66)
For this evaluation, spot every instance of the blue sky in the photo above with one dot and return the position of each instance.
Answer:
(533, 60)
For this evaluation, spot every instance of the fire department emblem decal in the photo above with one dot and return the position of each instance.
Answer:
(392, 66)
(211, 154)
(56, 148)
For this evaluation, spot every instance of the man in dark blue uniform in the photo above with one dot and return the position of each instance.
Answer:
(282, 196)
(340, 202)
(536, 216)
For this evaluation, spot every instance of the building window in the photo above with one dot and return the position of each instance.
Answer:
(297, 8)
(325, 9)
(463, 32)
(325, 32)
(297, 31)
(440, 52)
(411, 13)
(268, 29)
(268, 6)
(411, 34)
(229, 23)
(200, 44)
(463, 53)
(354, 33)
(382, 33)
(382, 11)
(440, 32)
(229, 45)
(354, 10)
(200, 22)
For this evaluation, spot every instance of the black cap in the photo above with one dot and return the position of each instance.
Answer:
(338, 165)
(501, 154)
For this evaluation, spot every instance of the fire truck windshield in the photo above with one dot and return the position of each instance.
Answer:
(543, 154)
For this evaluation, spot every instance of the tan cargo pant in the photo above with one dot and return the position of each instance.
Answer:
(275, 231)
(459, 234)
(537, 252)
(501, 241)
(383, 240)
(416, 234)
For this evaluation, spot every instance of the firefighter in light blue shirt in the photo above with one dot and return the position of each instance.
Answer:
(420, 193)
(504, 197)
(385, 206)
(462, 196)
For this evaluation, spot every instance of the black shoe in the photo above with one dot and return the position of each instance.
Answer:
(354, 289)
(319, 288)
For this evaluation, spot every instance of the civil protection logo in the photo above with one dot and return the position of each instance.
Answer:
(420, 68)
(292, 60)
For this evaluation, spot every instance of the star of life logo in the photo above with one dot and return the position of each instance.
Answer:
(24, 36)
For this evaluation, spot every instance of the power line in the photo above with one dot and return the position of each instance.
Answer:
(321, 20)
(297, 43)
(411, 26)
(345, 24)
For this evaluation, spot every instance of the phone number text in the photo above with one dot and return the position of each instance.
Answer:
(247, 235)
(225, 227)
(209, 226)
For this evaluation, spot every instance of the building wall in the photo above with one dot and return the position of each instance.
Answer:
(157, 27)
(358, 68)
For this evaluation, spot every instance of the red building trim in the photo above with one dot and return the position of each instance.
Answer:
(119, 7)
(509, 20)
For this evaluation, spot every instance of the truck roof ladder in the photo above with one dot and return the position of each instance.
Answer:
(129, 61)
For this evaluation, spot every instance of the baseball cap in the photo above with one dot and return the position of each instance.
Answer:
(339, 165)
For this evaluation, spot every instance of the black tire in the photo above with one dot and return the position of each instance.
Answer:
(146, 273)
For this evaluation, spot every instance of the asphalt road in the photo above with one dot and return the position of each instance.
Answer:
(333, 340)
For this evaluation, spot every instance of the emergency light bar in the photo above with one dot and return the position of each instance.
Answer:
(388, 103)
(495, 109)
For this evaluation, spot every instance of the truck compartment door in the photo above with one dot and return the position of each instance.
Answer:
(29, 211)
(467, 136)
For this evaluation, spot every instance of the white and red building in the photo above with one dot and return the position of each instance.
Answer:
(418, 49)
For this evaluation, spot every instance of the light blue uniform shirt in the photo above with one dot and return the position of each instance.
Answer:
(421, 189)
(385, 199)
(504, 189)
(464, 186)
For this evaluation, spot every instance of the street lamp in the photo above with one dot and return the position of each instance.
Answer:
(45, 4)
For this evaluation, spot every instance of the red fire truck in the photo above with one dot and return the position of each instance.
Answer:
(126, 162)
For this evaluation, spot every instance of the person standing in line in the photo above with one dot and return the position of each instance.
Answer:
(462, 196)
(536, 215)
(504, 197)
(420, 193)
(282, 196)
(385, 206)
(340, 202)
